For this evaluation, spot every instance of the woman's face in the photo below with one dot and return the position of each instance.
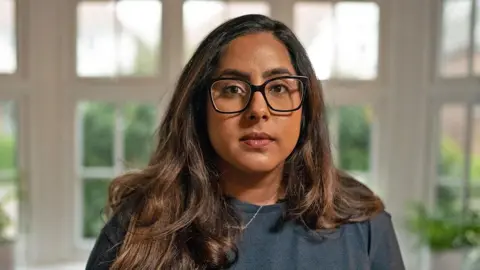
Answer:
(257, 139)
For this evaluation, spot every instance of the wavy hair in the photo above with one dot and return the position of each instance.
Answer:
(179, 218)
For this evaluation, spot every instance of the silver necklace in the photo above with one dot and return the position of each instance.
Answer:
(256, 213)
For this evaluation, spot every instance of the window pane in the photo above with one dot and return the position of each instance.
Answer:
(341, 39)
(455, 38)
(140, 124)
(351, 139)
(95, 195)
(476, 63)
(9, 213)
(201, 17)
(7, 137)
(118, 38)
(475, 162)
(449, 199)
(451, 163)
(97, 133)
(8, 48)
(313, 24)
(116, 138)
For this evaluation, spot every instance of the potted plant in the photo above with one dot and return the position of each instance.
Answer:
(6, 241)
(450, 235)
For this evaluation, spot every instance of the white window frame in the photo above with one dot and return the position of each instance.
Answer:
(346, 92)
(444, 91)
(46, 92)
(449, 91)
(119, 90)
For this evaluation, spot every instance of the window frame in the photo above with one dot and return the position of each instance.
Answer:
(47, 93)
(444, 91)
(17, 87)
(438, 47)
(338, 92)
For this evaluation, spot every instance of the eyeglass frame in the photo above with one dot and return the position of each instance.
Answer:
(261, 88)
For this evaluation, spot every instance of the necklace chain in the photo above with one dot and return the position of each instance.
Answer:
(256, 213)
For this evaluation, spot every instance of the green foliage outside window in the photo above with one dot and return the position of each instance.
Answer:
(354, 138)
(139, 123)
(7, 152)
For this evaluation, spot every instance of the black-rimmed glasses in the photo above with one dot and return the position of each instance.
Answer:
(282, 94)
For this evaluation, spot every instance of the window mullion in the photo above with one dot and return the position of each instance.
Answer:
(471, 47)
(118, 139)
(334, 127)
(468, 160)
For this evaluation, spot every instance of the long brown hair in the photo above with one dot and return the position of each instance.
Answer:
(179, 218)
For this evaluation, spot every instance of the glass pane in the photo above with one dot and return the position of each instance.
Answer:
(455, 38)
(98, 123)
(449, 199)
(476, 58)
(8, 47)
(475, 161)
(451, 163)
(356, 40)
(9, 213)
(313, 24)
(95, 195)
(201, 17)
(118, 38)
(351, 138)
(140, 124)
(126, 133)
(7, 137)
(341, 40)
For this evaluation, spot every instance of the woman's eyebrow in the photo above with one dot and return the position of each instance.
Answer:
(245, 75)
(276, 71)
(229, 72)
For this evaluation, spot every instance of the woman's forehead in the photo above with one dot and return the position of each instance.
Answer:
(255, 54)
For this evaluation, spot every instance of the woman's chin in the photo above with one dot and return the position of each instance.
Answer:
(255, 166)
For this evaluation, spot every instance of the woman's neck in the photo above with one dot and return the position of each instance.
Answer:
(255, 188)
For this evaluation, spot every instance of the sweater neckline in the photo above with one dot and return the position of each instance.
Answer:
(247, 207)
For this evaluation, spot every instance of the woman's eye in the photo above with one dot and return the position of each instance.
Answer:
(278, 88)
(232, 90)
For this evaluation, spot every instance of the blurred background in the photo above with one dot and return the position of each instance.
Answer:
(84, 84)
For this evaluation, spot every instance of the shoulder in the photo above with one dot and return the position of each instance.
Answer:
(374, 227)
(109, 241)
(371, 228)
(377, 239)
(381, 221)
(381, 242)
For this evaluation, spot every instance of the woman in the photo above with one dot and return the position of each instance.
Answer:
(242, 177)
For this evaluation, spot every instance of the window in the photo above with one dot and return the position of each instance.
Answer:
(458, 169)
(8, 172)
(350, 128)
(201, 17)
(341, 39)
(473, 185)
(451, 164)
(112, 139)
(458, 159)
(8, 48)
(477, 40)
(460, 43)
(118, 38)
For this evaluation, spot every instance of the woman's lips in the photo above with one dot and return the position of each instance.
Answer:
(257, 143)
